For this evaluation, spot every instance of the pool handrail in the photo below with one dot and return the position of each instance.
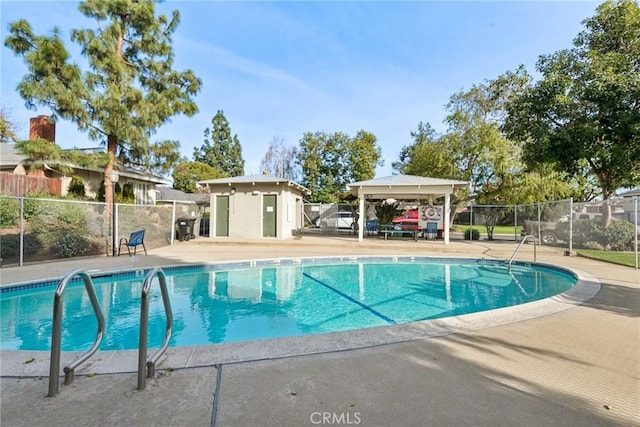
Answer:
(56, 335)
(522, 242)
(146, 368)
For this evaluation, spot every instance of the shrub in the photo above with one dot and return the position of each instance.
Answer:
(619, 235)
(100, 193)
(36, 204)
(64, 211)
(128, 195)
(562, 231)
(70, 213)
(475, 234)
(76, 187)
(71, 244)
(386, 211)
(584, 230)
(9, 212)
(589, 233)
(10, 245)
(593, 245)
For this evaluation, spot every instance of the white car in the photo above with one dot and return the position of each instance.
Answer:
(342, 219)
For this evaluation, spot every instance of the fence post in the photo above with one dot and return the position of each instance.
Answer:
(471, 223)
(515, 221)
(172, 232)
(571, 226)
(635, 216)
(115, 225)
(21, 231)
(539, 227)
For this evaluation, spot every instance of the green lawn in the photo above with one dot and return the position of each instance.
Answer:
(614, 257)
(622, 258)
(498, 229)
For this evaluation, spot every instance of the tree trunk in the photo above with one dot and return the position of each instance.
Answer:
(606, 208)
(108, 190)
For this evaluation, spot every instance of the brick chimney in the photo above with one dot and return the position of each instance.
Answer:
(42, 127)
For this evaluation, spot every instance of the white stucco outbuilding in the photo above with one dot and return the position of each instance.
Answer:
(255, 207)
(405, 187)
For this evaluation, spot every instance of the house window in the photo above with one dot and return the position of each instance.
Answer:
(142, 194)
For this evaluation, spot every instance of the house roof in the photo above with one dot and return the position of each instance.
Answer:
(254, 180)
(166, 194)
(11, 157)
(631, 193)
(140, 175)
(407, 187)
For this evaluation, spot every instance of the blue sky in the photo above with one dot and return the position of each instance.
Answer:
(280, 69)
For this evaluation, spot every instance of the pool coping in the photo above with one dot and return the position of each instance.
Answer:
(26, 363)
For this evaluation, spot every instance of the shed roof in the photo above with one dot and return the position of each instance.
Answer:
(254, 180)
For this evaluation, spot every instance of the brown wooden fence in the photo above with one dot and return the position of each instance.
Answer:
(12, 184)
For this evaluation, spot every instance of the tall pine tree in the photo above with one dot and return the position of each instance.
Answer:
(220, 150)
(129, 88)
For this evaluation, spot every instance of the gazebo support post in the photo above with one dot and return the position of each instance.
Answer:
(445, 220)
(361, 214)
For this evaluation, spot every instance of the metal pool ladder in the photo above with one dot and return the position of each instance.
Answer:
(522, 242)
(146, 368)
(56, 337)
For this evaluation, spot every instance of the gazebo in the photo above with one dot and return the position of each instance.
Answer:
(405, 187)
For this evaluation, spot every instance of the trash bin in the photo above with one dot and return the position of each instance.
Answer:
(184, 229)
(204, 227)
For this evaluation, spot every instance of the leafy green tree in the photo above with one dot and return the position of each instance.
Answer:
(220, 150)
(7, 127)
(280, 160)
(363, 156)
(129, 87)
(321, 159)
(585, 108)
(187, 174)
(427, 156)
(330, 161)
(474, 149)
(482, 154)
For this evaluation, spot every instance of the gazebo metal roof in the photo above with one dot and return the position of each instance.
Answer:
(404, 187)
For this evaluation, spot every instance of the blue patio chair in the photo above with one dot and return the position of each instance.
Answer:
(371, 227)
(431, 230)
(135, 239)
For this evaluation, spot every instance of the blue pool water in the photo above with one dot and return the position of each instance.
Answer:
(244, 301)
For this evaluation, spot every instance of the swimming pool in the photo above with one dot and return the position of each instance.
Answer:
(253, 300)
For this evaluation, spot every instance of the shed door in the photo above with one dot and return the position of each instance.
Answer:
(269, 215)
(222, 216)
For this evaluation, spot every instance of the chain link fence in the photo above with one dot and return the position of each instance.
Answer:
(563, 223)
(34, 229)
(330, 218)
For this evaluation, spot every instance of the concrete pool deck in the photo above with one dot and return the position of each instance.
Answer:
(579, 366)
